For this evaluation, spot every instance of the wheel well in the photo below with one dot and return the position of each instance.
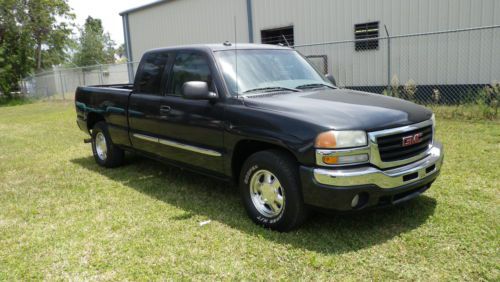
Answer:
(245, 149)
(92, 119)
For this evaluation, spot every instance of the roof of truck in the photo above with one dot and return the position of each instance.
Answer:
(222, 47)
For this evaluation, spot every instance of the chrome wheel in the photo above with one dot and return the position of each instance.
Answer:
(267, 195)
(100, 146)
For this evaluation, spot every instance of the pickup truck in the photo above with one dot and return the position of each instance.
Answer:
(262, 117)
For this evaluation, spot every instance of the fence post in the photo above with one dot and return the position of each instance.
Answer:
(62, 85)
(100, 74)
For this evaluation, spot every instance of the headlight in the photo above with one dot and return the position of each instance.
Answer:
(341, 139)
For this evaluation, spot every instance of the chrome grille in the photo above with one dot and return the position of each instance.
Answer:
(391, 147)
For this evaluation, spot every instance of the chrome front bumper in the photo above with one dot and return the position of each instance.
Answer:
(390, 178)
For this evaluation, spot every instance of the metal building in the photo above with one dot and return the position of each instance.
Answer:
(438, 42)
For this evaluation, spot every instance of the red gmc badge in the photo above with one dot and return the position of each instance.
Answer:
(412, 139)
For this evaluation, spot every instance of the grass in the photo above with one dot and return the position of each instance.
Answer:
(467, 112)
(9, 102)
(62, 217)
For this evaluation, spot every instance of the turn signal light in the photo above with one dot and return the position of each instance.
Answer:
(326, 140)
(330, 159)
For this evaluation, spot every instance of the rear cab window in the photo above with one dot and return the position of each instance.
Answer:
(153, 68)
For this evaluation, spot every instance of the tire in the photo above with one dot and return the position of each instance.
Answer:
(275, 205)
(106, 154)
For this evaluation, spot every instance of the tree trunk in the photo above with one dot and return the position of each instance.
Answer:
(38, 58)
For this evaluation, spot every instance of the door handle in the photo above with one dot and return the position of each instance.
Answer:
(165, 110)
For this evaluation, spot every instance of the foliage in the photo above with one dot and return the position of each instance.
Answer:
(394, 91)
(436, 96)
(122, 55)
(34, 34)
(62, 217)
(488, 99)
(410, 89)
(95, 46)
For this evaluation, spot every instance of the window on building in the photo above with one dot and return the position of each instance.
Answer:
(282, 35)
(189, 67)
(152, 71)
(363, 32)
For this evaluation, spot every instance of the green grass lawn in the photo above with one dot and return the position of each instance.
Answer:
(63, 217)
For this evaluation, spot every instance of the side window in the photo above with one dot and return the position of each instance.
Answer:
(189, 67)
(151, 73)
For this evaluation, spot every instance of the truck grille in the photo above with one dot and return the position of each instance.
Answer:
(391, 147)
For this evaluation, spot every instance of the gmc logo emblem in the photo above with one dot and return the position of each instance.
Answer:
(412, 139)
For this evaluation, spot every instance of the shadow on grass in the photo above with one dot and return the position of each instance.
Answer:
(216, 200)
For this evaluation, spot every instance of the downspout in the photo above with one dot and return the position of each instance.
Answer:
(388, 60)
(250, 21)
(128, 48)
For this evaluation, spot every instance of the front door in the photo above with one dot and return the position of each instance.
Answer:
(193, 129)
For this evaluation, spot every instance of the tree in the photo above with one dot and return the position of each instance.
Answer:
(34, 34)
(95, 46)
(121, 54)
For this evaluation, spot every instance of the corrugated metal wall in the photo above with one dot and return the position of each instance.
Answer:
(460, 58)
(330, 20)
(181, 22)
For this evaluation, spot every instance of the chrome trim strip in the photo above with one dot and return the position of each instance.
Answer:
(375, 154)
(178, 145)
(146, 137)
(386, 179)
(190, 148)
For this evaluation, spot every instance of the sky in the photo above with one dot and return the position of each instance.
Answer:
(106, 10)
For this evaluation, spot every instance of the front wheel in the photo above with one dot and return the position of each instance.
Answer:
(105, 152)
(270, 188)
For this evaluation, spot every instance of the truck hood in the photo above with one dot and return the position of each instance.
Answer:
(342, 109)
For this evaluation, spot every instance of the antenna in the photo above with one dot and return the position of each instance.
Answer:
(236, 57)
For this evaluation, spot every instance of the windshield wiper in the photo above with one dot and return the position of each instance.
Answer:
(271, 89)
(313, 85)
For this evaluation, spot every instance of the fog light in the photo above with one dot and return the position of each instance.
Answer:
(355, 201)
(353, 159)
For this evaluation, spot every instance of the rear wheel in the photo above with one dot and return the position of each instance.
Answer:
(270, 188)
(105, 152)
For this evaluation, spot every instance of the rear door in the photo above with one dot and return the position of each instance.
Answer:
(145, 112)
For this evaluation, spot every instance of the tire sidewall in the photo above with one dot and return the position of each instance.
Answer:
(289, 183)
(100, 127)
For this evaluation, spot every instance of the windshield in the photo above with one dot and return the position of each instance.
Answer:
(265, 70)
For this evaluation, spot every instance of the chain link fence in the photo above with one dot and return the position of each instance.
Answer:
(450, 67)
(60, 83)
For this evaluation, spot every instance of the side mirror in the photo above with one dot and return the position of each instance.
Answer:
(331, 79)
(197, 90)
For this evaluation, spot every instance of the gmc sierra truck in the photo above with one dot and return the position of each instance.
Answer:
(264, 117)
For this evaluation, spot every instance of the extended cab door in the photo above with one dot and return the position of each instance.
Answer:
(184, 131)
(144, 111)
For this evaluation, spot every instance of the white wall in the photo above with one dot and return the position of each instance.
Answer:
(461, 58)
(181, 22)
